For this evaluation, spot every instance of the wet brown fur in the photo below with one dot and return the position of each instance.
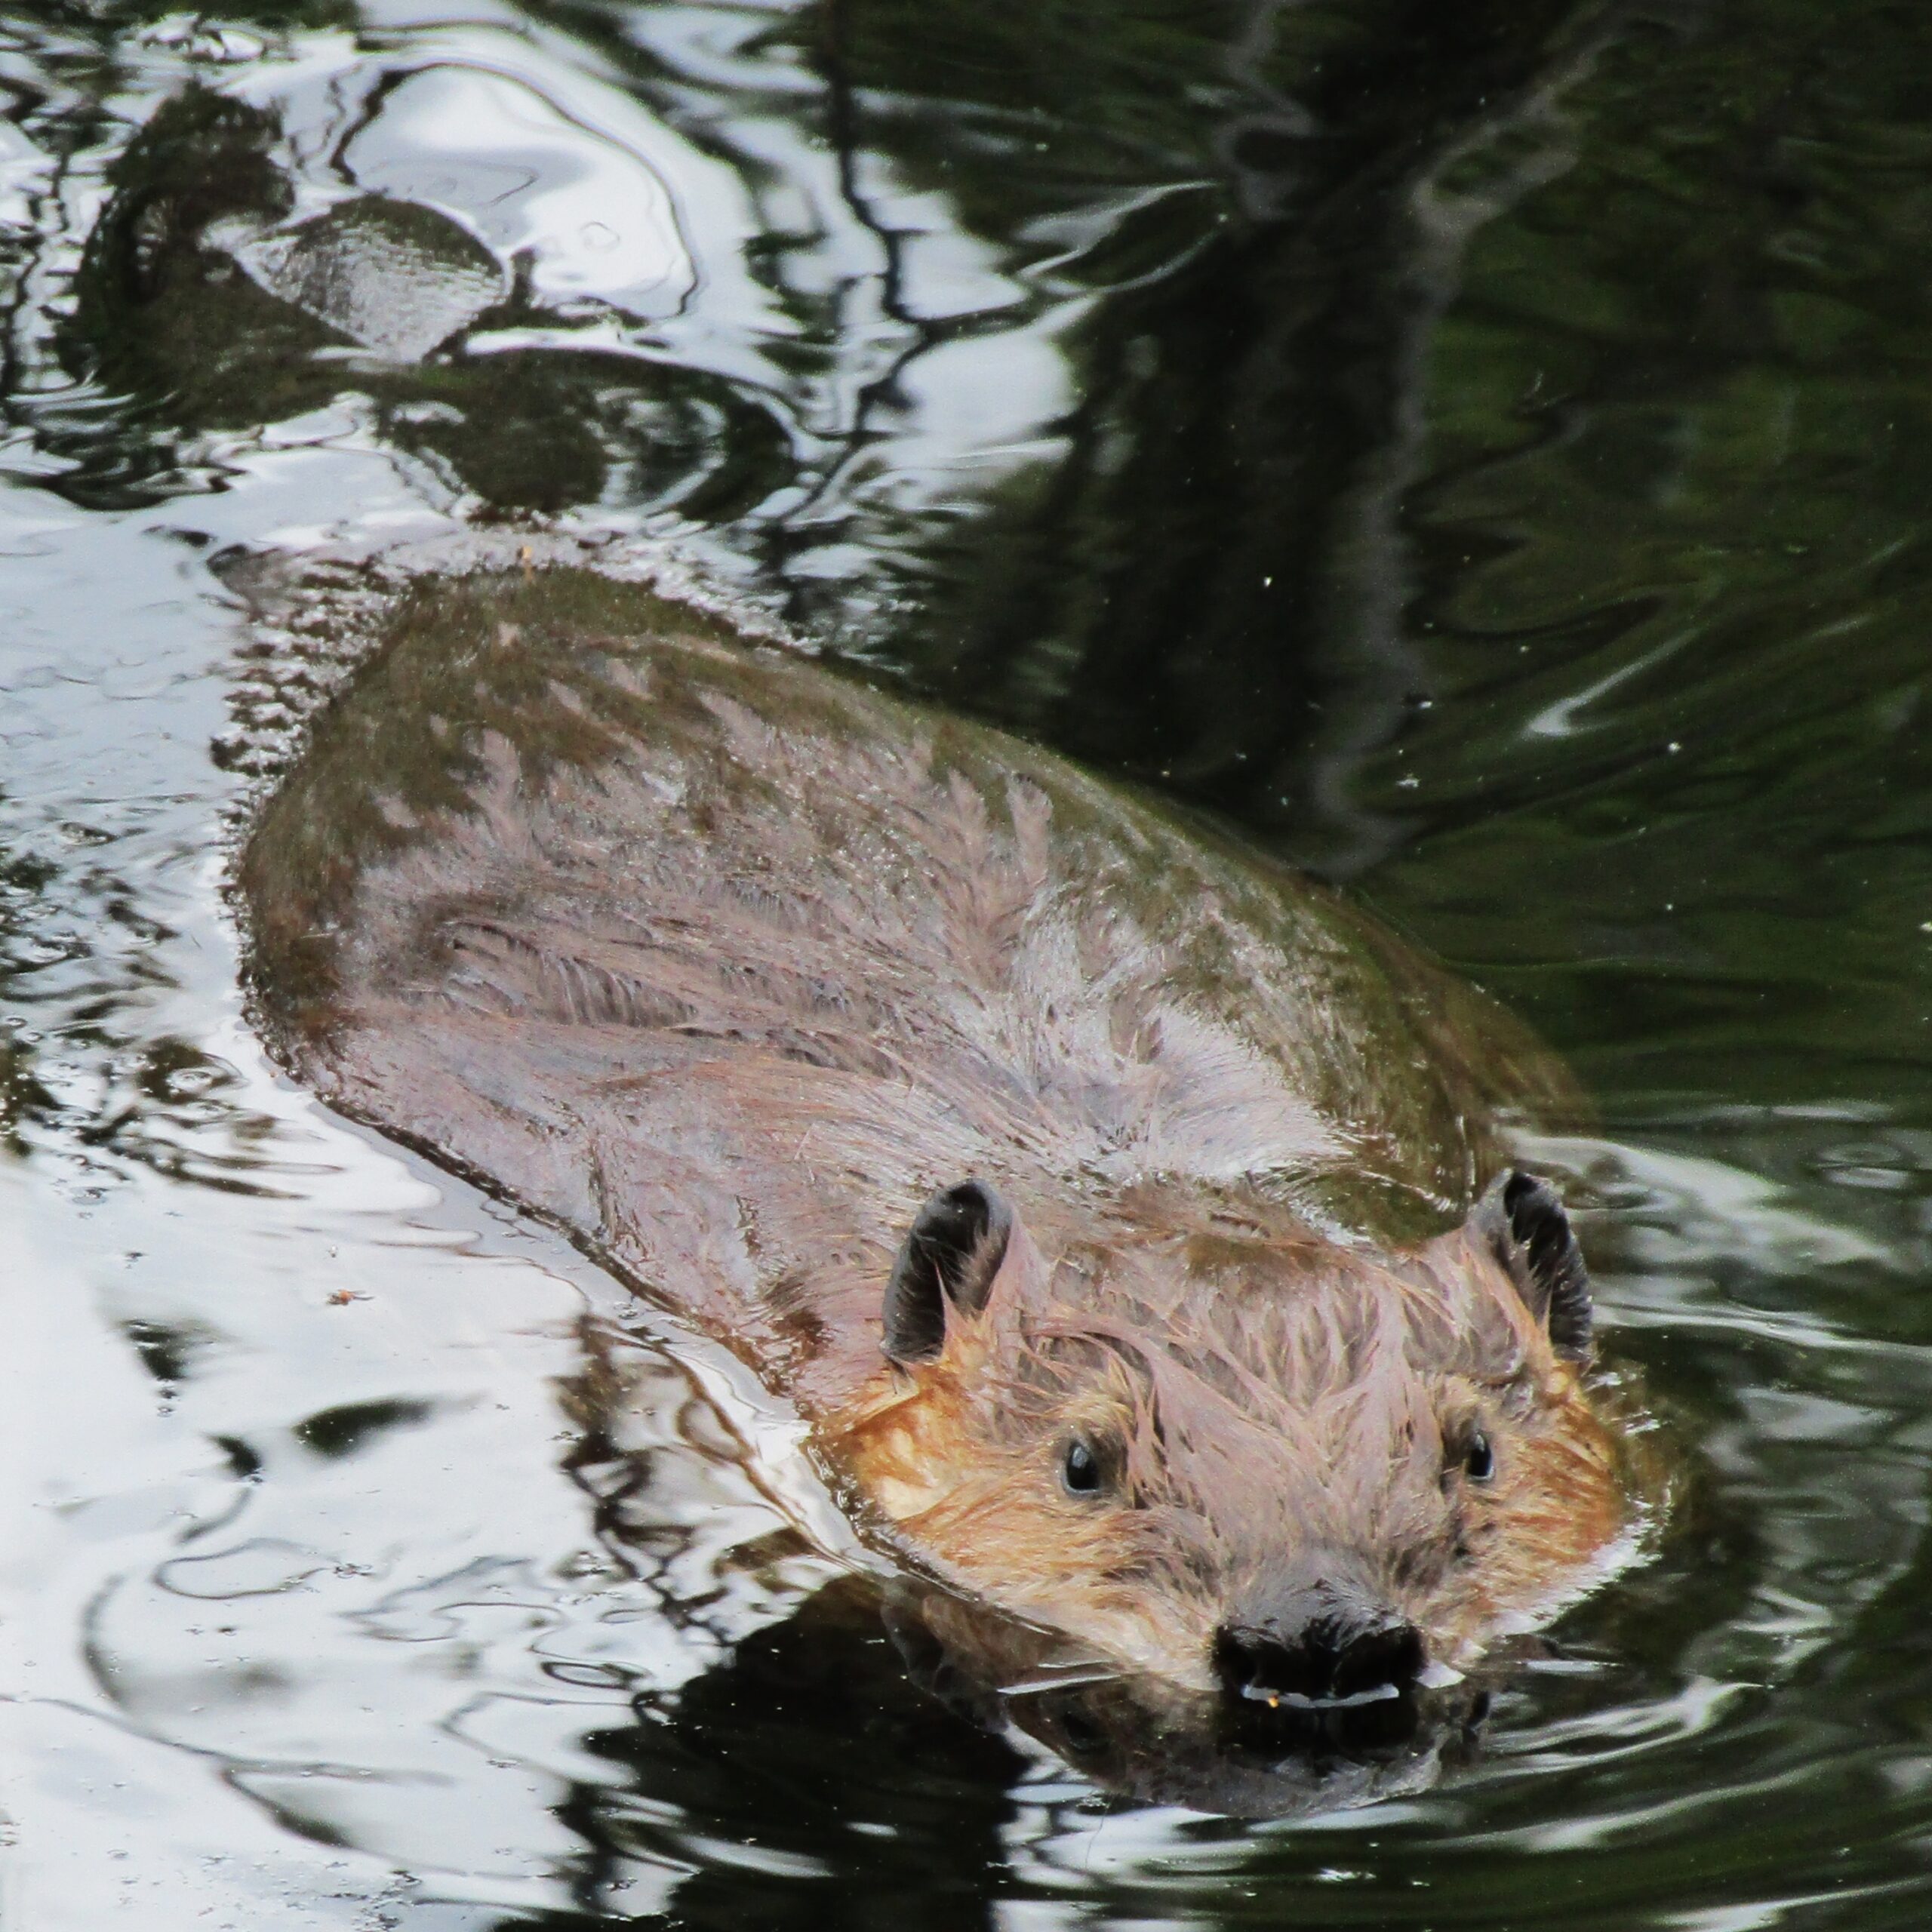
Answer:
(726, 964)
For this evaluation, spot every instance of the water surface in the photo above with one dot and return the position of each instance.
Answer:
(1483, 453)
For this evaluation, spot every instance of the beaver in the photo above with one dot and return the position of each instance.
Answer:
(1128, 1218)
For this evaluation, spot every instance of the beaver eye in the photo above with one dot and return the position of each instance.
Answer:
(1479, 1459)
(1080, 1469)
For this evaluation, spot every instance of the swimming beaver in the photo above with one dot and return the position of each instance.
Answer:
(1124, 1213)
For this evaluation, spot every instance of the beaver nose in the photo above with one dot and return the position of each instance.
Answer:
(1331, 1659)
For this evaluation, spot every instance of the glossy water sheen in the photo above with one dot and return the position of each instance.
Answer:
(1484, 450)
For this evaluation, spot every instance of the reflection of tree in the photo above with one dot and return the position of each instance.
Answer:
(1210, 586)
(198, 304)
(1208, 582)
(1232, 226)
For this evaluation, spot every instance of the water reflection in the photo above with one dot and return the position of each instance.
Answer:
(1094, 425)
(678, 1704)
(210, 287)
(455, 1720)
(1482, 449)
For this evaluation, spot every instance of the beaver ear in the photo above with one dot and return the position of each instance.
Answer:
(1524, 1224)
(951, 1253)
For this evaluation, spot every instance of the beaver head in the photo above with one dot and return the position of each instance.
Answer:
(1228, 1450)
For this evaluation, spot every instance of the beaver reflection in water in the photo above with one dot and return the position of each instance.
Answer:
(1124, 1213)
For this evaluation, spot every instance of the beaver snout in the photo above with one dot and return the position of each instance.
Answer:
(1320, 1654)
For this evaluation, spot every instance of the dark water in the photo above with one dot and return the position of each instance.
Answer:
(1486, 450)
